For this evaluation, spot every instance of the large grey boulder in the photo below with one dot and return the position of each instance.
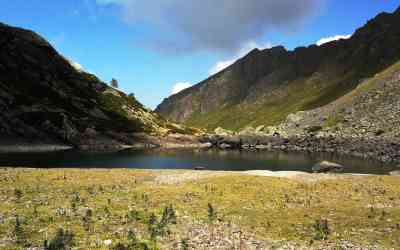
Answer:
(327, 167)
(395, 173)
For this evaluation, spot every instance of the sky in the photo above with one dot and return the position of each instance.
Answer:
(156, 48)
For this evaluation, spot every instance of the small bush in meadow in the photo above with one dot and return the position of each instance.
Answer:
(321, 228)
(63, 240)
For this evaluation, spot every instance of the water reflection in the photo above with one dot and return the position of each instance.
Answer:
(189, 159)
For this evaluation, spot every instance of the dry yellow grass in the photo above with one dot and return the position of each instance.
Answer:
(362, 210)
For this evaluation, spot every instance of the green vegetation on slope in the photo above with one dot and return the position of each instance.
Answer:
(300, 95)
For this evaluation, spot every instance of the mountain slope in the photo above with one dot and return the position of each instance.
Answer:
(265, 86)
(371, 110)
(43, 98)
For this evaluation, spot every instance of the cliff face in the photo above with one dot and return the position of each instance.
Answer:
(43, 98)
(265, 86)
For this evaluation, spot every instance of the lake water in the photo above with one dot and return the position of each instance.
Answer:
(189, 159)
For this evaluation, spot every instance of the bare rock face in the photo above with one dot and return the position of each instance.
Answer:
(265, 86)
(43, 98)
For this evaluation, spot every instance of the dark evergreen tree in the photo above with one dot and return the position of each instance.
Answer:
(114, 83)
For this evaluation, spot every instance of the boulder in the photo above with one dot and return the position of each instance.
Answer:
(327, 167)
(395, 173)
(225, 146)
(222, 132)
(260, 129)
(295, 118)
(249, 130)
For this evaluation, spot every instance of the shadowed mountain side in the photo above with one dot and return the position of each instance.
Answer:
(43, 98)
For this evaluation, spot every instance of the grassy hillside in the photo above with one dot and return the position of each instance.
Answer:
(106, 209)
(273, 108)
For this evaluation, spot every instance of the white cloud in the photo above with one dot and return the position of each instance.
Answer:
(178, 87)
(184, 26)
(332, 38)
(249, 46)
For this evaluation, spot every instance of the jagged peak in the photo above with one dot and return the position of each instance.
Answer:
(278, 48)
(397, 11)
(253, 52)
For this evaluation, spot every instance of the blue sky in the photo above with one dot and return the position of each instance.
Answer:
(151, 49)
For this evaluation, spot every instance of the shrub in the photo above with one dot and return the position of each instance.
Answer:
(134, 215)
(158, 228)
(87, 219)
(168, 216)
(212, 214)
(132, 237)
(322, 230)
(63, 240)
(18, 194)
(153, 229)
(19, 232)
(184, 244)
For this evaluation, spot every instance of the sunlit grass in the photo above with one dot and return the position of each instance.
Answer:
(365, 210)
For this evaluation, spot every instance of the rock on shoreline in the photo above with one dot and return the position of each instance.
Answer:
(327, 167)
(33, 148)
(378, 148)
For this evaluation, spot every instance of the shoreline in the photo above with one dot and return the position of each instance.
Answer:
(34, 148)
(210, 173)
(385, 150)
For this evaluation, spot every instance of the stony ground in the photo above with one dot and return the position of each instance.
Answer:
(135, 209)
(371, 110)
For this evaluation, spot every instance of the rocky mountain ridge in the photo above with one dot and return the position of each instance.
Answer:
(363, 123)
(45, 99)
(265, 86)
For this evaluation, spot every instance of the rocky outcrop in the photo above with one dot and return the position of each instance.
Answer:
(265, 86)
(45, 100)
